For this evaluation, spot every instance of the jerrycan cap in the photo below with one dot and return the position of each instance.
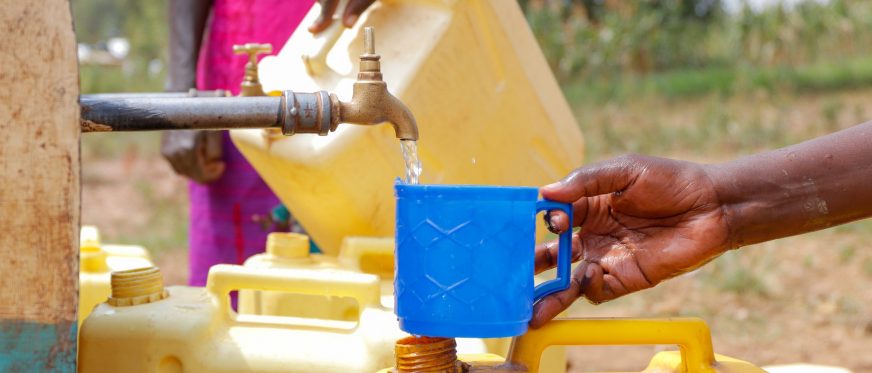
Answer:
(92, 258)
(89, 239)
(137, 286)
(288, 245)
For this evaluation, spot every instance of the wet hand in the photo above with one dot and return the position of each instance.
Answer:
(195, 154)
(349, 15)
(642, 220)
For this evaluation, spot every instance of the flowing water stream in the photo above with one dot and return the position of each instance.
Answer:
(410, 158)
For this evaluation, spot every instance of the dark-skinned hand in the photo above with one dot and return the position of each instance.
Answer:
(195, 154)
(642, 220)
(349, 15)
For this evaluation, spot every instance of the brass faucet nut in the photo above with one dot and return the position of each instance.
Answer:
(307, 113)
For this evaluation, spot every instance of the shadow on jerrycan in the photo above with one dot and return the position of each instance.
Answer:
(146, 328)
(488, 109)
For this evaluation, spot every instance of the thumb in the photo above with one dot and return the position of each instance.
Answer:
(592, 180)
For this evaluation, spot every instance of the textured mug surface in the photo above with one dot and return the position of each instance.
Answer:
(464, 259)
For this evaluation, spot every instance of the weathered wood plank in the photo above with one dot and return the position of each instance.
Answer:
(39, 186)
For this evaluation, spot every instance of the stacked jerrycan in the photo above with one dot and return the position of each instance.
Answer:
(692, 336)
(373, 256)
(144, 327)
(96, 261)
(488, 110)
(290, 251)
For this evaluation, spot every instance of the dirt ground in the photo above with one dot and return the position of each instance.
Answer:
(800, 299)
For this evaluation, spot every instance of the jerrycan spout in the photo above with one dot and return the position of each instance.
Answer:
(371, 103)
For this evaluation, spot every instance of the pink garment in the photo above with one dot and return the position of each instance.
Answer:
(222, 229)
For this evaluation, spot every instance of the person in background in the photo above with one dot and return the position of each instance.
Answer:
(226, 194)
(644, 220)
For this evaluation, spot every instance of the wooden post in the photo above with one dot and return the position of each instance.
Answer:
(39, 186)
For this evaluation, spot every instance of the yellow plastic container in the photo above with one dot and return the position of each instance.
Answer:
(488, 109)
(291, 251)
(373, 255)
(195, 330)
(690, 334)
(96, 261)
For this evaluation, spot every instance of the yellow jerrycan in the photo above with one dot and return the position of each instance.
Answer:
(291, 251)
(97, 261)
(488, 109)
(692, 335)
(146, 328)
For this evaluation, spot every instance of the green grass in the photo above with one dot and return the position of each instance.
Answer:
(726, 80)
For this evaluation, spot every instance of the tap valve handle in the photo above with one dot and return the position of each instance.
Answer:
(250, 83)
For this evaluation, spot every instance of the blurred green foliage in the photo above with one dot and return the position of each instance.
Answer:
(616, 49)
(143, 24)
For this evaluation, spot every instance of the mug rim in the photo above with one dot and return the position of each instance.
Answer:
(461, 191)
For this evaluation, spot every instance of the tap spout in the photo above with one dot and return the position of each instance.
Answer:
(371, 103)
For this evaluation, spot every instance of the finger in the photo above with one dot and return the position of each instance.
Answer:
(186, 159)
(599, 178)
(210, 165)
(552, 305)
(173, 160)
(212, 171)
(353, 11)
(169, 150)
(594, 285)
(196, 161)
(328, 8)
(557, 221)
(545, 255)
(601, 287)
(214, 147)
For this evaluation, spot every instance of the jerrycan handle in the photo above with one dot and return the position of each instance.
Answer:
(564, 253)
(315, 59)
(224, 278)
(690, 334)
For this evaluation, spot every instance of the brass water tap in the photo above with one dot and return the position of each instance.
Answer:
(371, 103)
(250, 83)
(294, 112)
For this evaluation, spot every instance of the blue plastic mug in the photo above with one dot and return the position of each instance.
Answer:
(464, 259)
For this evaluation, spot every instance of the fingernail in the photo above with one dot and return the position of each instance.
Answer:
(588, 272)
(550, 223)
(552, 186)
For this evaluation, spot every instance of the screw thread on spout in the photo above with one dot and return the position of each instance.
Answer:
(426, 354)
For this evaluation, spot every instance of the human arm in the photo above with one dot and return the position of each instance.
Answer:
(195, 154)
(644, 220)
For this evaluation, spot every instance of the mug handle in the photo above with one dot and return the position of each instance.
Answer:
(564, 253)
